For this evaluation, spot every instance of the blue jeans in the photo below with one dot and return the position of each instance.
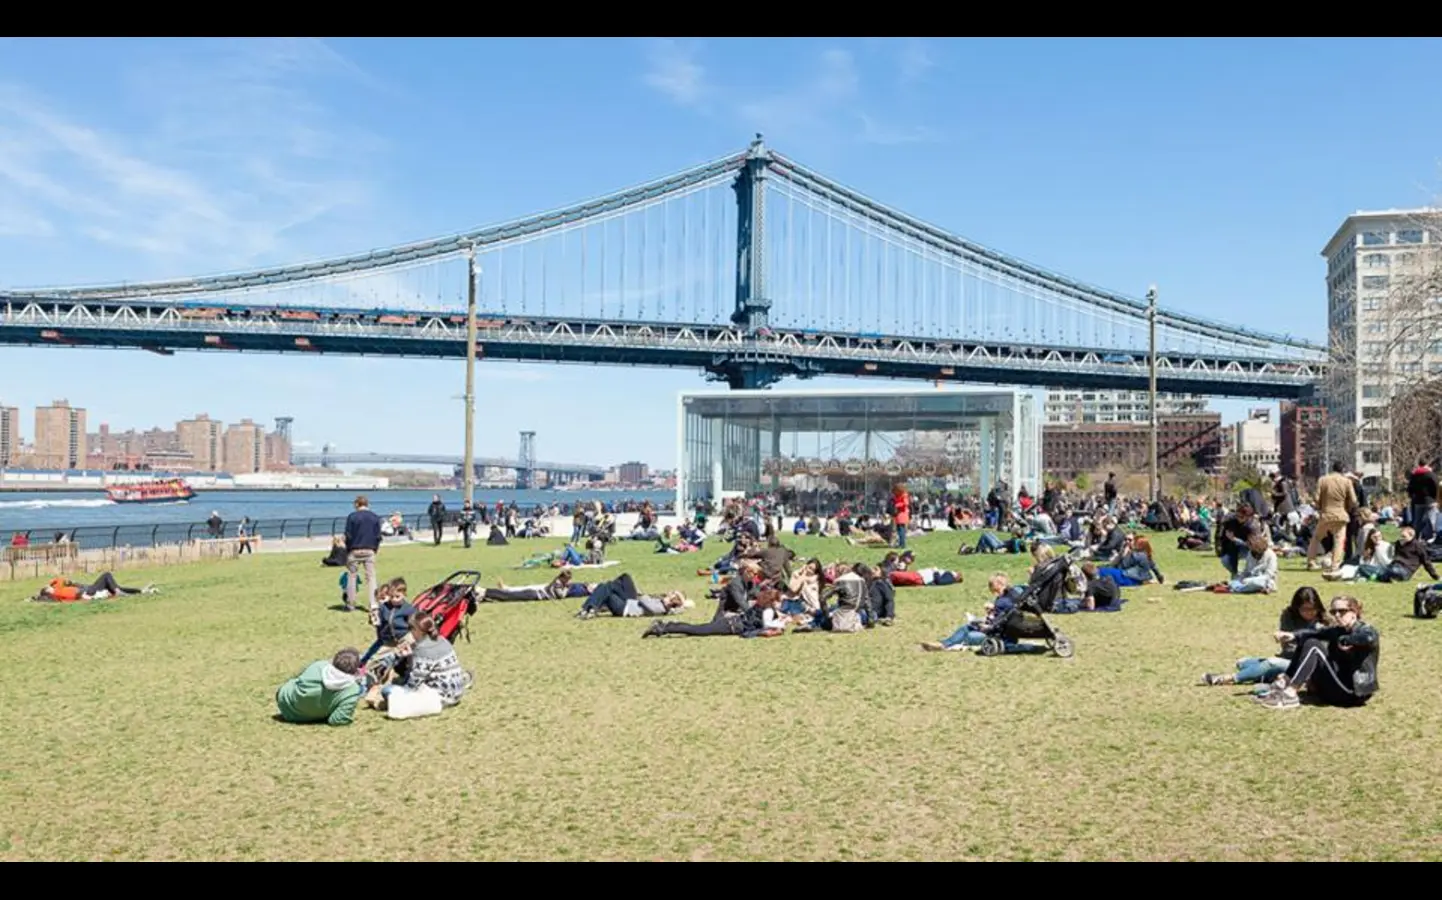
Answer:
(1249, 586)
(968, 636)
(1231, 560)
(1256, 669)
(988, 543)
(901, 536)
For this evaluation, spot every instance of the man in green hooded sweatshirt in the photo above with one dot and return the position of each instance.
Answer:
(325, 692)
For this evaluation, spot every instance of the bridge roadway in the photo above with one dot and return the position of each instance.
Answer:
(720, 350)
(348, 459)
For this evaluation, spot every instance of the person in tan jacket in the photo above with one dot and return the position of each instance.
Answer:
(1336, 499)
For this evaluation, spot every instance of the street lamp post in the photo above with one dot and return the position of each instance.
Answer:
(1155, 485)
(469, 476)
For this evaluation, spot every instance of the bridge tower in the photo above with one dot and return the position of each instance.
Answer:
(325, 452)
(749, 370)
(282, 435)
(526, 462)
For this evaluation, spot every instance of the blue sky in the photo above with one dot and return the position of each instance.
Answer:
(1215, 169)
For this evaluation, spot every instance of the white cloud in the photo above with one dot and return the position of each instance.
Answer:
(915, 60)
(826, 105)
(675, 72)
(875, 132)
(230, 154)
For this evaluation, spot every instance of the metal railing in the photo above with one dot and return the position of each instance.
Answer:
(99, 537)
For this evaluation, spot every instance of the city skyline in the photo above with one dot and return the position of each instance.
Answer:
(16, 439)
(179, 159)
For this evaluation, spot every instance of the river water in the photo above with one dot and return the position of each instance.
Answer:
(41, 511)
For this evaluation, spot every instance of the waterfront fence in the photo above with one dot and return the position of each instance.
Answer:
(117, 537)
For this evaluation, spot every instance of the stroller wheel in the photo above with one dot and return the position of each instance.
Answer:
(1062, 646)
(991, 647)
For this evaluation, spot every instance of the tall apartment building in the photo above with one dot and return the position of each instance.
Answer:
(244, 448)
(1370, 256)
(1086, 407)
(60, 436)
(1303, 441)
(9, 435)
(201, 437)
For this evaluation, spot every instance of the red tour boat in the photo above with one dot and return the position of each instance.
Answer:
(172, 490)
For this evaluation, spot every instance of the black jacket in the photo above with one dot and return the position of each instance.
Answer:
(1354, 654)
(362, 530)
(1422, 487)
(1413, 556)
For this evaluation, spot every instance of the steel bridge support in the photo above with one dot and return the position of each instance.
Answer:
(752, 305)
(526, 459)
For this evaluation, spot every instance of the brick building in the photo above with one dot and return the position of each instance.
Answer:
(1303, 441)
(1094, 447)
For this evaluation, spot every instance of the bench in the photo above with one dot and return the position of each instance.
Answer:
(43, 553)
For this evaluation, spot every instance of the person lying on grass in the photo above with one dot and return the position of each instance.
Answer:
(61, 590)
(1337, 665)
(762, 619)
(622, 599)
(323, 692)
(558, 588)
(974, 632)
(899, 572)
(1300, 620)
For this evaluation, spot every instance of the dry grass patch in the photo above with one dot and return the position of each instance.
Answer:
(142, 729)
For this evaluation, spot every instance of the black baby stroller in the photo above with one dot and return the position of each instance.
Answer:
(1026, 620)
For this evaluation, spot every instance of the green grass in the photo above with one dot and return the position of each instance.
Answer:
(141, 729)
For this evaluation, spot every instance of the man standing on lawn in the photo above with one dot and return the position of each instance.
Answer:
(362, 540)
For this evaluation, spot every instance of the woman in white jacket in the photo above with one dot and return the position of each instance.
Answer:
(1258, 573)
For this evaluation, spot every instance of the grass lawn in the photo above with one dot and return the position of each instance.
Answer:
(142, 729)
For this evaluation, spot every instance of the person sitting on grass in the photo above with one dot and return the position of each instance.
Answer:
(432, 663)
(1133, 565)
(62, 590)
(1302, 618)
(852, 611)
(1408, 555)
(1258, 571)
(974, 632)
(325, 691)
(1337, 665)
(392, 617)
(1233, 537)
(1100, 594)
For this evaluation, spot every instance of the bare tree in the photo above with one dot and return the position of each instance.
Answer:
(1397, 357)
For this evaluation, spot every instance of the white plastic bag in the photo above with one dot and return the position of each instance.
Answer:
(412, 703)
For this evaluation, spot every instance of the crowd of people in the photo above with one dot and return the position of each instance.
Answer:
(760, 588)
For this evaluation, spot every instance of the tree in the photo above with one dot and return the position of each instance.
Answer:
(1187, 476)
(1398, 360)
(1240, 474)
(1083, 482)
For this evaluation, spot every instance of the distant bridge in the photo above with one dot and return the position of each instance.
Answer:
(565, 471)
(751, 268)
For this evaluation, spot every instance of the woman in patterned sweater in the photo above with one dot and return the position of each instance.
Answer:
(433, 663)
